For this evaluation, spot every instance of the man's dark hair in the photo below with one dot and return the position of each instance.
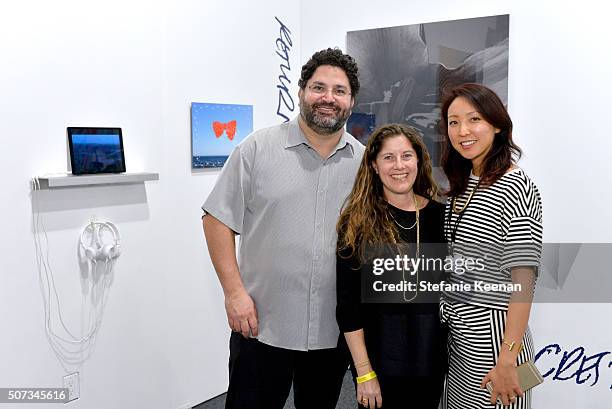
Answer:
(336, 58)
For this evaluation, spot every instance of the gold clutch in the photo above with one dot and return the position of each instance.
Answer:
(528, 374)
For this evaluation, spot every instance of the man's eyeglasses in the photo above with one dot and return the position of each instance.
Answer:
(319, 89)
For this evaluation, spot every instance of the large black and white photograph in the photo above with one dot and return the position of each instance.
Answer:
(404, 70)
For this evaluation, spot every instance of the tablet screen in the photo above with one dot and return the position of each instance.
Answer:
(96, 150)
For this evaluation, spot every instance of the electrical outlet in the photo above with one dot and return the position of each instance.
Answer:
(72, 383)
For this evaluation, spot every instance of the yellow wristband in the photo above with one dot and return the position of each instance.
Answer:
(366, 377)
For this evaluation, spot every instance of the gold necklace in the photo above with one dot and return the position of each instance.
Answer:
(403, 227)
(455, 210)
(418, 231)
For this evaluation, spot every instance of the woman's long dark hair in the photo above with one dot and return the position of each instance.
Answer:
(504, 152)
(364, 219)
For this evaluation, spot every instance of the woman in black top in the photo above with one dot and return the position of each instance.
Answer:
(396, 341)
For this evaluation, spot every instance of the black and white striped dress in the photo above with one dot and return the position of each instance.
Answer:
(502, 225)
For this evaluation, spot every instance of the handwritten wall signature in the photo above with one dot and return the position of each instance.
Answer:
(576, 365)
(286, 105)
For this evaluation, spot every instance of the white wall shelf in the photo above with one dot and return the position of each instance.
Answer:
(63, 181)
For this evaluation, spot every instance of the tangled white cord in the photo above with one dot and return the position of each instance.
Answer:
(70, 349)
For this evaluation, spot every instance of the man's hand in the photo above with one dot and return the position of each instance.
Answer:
(239, 306)
(241, 313)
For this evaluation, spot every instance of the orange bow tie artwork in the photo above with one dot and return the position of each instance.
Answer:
(229, 128)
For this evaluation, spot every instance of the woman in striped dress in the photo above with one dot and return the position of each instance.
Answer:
(494, 215)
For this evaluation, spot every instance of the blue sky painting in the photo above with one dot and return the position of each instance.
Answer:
(215, 130)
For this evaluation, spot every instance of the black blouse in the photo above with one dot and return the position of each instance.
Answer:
(402, 339)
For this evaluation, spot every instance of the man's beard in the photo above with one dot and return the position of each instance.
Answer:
(323, 124)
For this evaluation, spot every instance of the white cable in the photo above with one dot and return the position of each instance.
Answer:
(65, 349)
(51, 286)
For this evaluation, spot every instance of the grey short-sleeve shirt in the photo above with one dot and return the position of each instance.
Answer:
(284, 200)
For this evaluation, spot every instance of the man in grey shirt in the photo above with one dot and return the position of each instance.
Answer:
(282, 190)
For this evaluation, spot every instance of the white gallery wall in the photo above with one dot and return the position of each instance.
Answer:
(559, 99)
(136, 65)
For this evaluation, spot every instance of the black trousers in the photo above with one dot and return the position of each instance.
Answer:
(260, 375)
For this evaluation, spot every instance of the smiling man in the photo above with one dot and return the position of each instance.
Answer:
(282, 190)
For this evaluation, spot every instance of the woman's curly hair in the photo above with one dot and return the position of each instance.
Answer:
(364, 218)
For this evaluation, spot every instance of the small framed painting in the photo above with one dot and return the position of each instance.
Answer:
(215, 130)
